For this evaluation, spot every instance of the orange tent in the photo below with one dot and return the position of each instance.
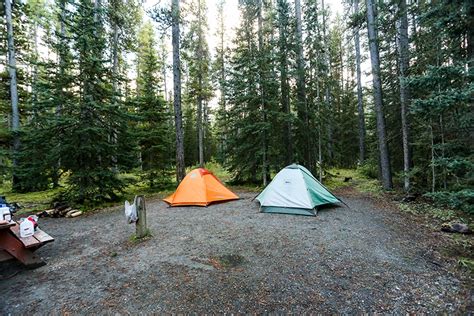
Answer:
(200, 187)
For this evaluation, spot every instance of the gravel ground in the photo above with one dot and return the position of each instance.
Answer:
(231, 258)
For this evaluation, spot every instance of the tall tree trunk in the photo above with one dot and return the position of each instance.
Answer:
(328, 99)
(284, 84)
(403, 58)
(61, 93)
(301, 89)
(443, 151)
(34, 87)
(178, 120)
(62, 52)
(97, 5)
(433, 158)
(115, 92)
(115, 61)
(222, 77)
(262, 92)
(360, 105)
(164, 55)
(469, 4)
(200, 93)
(378, 100)
(13, 89)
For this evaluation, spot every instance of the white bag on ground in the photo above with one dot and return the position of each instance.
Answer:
(131, 212)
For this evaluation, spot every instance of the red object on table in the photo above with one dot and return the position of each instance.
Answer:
(31, 219)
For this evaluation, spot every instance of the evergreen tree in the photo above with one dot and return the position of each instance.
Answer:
(284, 55)
(441, 84)
(220, 74)
(87, 148)
(153, 128)
(197, 58)
(384, 156)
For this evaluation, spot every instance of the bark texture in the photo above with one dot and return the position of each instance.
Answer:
(301, 87)
(284, 84)
(403, 61)
(262, 93)
(13, 86)
(384, 157)
(200, 97)
(360, 104)
(178, 118)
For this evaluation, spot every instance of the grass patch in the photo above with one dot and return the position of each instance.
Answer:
(461, 246)
(227, 261)
(30, 201)
(466, 263)
(336, 176)
(134, 239)
(431, 211)
(216, 168)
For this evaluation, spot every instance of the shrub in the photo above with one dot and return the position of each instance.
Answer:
(463, 199)
(369, 170)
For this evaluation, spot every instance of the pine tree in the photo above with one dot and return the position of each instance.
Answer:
(360, 105)
(441, 85)
(220, 73)
(175, 18)
(197, 58)
(317, 72)
(12, 71)
(378, 100)
(153, 127)
(87, 149)
(284, 33)
(253, 94)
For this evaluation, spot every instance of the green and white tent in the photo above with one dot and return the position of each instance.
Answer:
(294, 190)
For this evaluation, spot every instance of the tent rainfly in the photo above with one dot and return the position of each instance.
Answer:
(200, 187)
(294, 190)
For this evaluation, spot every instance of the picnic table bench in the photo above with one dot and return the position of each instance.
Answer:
(12, 246)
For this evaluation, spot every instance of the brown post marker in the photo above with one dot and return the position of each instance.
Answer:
(141, 228)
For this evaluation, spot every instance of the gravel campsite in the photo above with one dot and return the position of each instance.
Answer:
(229, 258)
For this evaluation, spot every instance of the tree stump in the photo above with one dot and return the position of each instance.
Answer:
(141, 227)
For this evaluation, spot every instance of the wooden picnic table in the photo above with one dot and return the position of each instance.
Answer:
(12, 246)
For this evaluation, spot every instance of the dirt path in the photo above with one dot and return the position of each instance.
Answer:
(231, 258)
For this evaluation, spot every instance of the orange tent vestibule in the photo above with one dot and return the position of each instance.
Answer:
(200, 187)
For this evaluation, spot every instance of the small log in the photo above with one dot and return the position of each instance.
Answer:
(68, 214)
(65, 211)
(42, 214)
(76, 214)
(459, 228)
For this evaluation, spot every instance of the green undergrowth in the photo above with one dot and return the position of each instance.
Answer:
(226, 177)
(30, 201)
(227, 261)
(136, 184)
(461, 248)
(134, 239)
(428, 210)
(334, 179)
